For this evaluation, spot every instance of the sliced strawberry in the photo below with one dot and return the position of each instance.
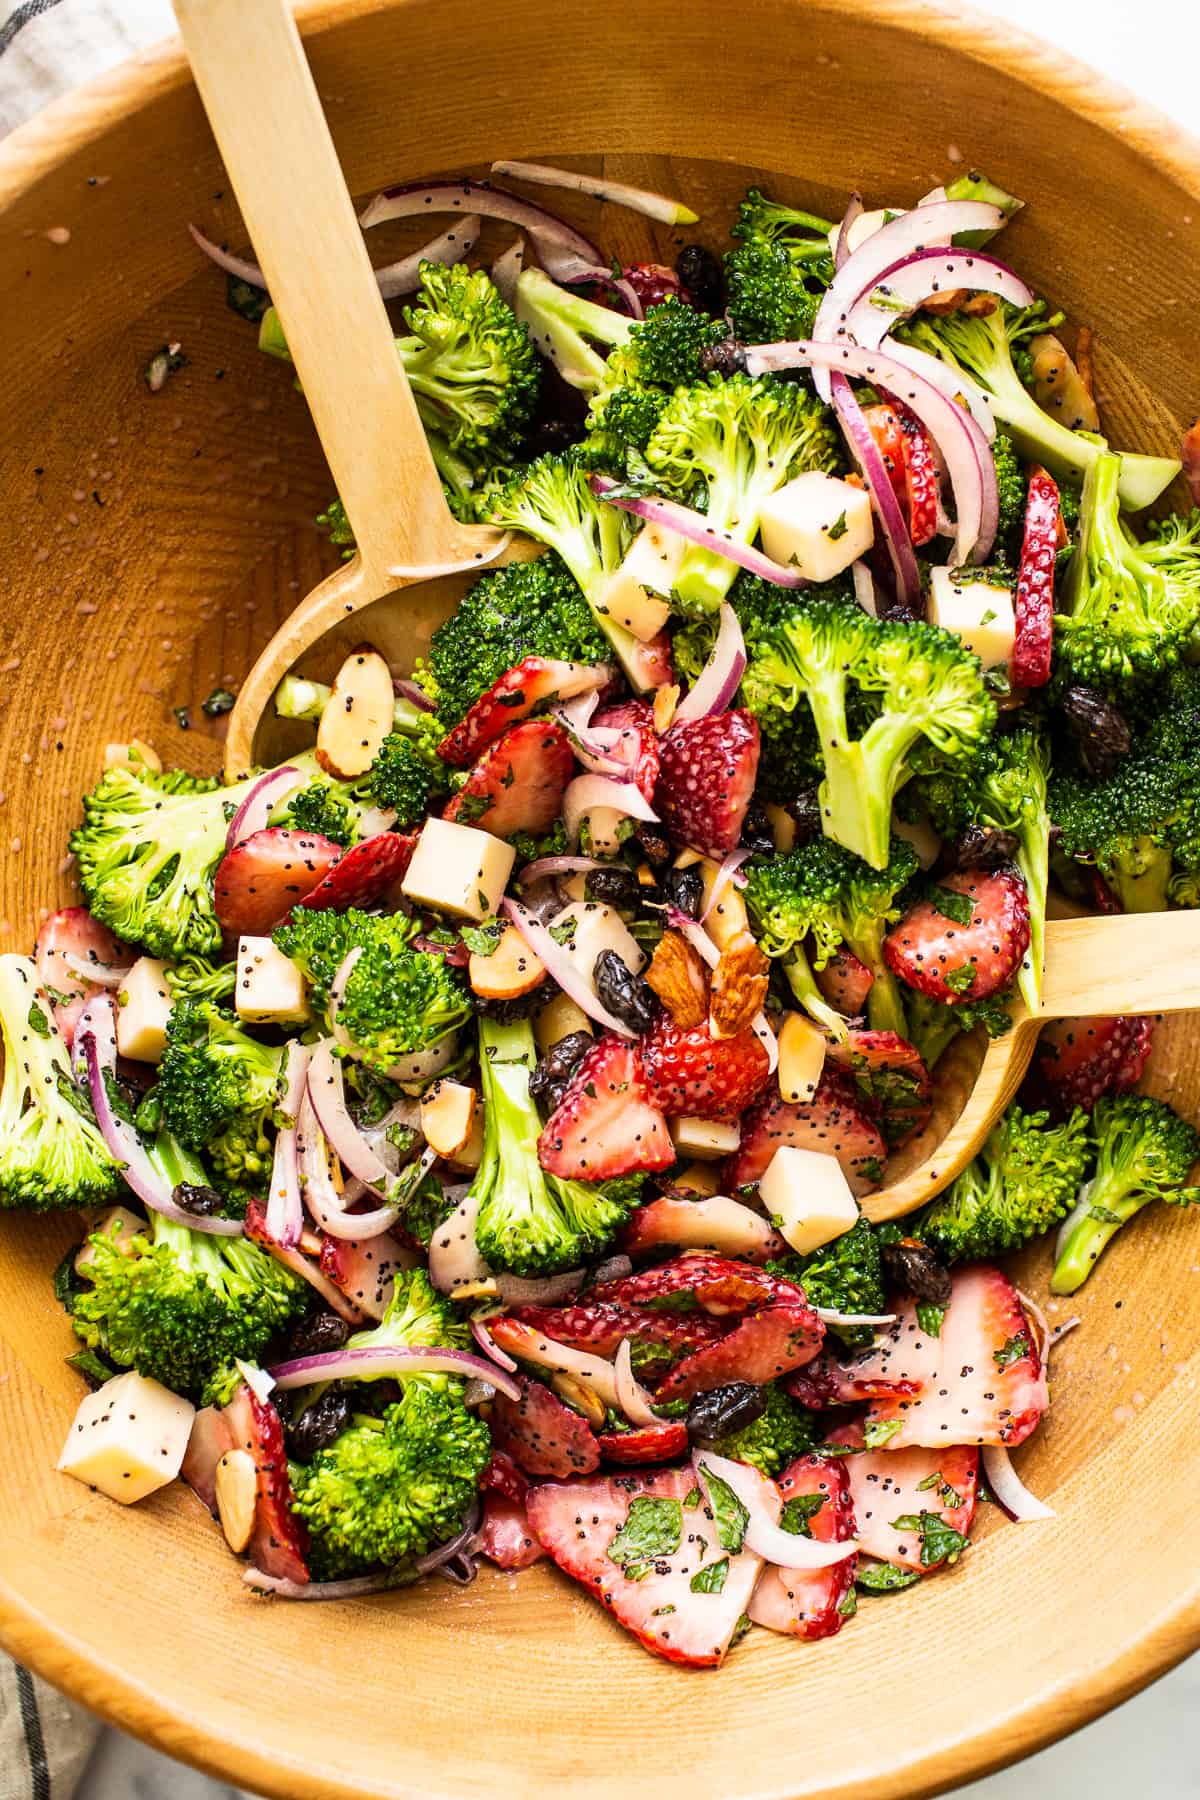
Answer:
(502, 1476)
(657, 1339)
(279, 1543)
(989, 1386)
(365, 873)
(541, 1432)
(518, 783)
(1133, 1063)
(578, 1521)
(883, 422)
(1034, 604)
(1079, 1061)
(639, 745)
(706, 780)
(807, 1603)
(890, 1074)
(920, 496)
(699, 1224)
(760, 1348)
(900, 1364)
(259, 881)
(648, 1444)
(953, 962)
(717, 1284)
(845, 983)
(365, 1270)
(886, 1485)
(689, 1072)
(514, 697)
(835, 1121)
(606, 1123)
(72, 931)
(1189, 451)
(211, 1436)
(505, 1535)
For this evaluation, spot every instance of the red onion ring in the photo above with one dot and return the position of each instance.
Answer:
(597, 187)
(254, 814)
(864, 587)
(320, 1194)
(596, 746)
(950, 382)
(370, 1362)
(327, 1092)
(560, 967)
(100, 974)
(591, 791)
(433, 1559)
(764, 1535)
(285, 1208)
(687, 523)
(557, 865)
(1012, 1496)
(562, 249)
(760, 1025)
(829, 1315)
(396, 278)
(415, 693)
(96, 1051)
(727, 872)
(867, 455)
(911, 281)
(854, 211)
(506, 269)
(308, 1271)
(490, 1347)
(635, 1402)
(718, 680)
(616, 285)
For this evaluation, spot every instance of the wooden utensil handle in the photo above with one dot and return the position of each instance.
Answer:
(1136, 963)
(266, 115)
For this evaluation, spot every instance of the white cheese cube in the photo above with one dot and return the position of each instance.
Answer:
(558, 1019)
(817, 524)
(636, 595)
(807, 1197)
(128, 1438)
(458, 870)
(600, 833)
(595, 927)
(270, 987)
(978, 612)
(143, 1008)
(705, 1139)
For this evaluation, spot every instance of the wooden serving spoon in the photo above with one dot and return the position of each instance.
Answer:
(1137, 963)
(267, 118)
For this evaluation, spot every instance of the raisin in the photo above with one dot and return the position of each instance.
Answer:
(198, 1199)
(980, 848)
(724, 1409)
(756, 831)
(684, 890)
(626, 995)
(805, 810)
(318, 1332)
(617, 886)
(914, 1269)
(318, 1425)
(725, 359)
(549, 1080)
(703, 277)
(1099, 729)
(655, 844)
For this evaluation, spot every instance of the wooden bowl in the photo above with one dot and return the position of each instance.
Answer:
(154, 543)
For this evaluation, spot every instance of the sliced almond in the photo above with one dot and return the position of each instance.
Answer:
(783, 827)
(727, 918)
(358, 715)
(581, 1398)
(739, 986)
(801, 1058)
(469, 1155)
(447, 1113)
(1058, 387)
(558, 1019)
(511, 970)
(678, 976)
(237, 1491)
(666, 699)
(698, 1178)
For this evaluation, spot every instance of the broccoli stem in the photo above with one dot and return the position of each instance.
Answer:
(803, 985)
(1088, 1231)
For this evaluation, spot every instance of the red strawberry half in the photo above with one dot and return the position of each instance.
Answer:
(607, 1123)
(648, 1444)
(279, 1543)
(1034, 607)
(949, 961)
(691, 1072)
(706, 780)
(891, 1076)
(505, 1535)
(518, 783)
(365, 873)
(835, 1121)
(716, 1284)
(807, 1603)
(845, 983)
(659, 1339)
(259, 881)
(542, 1434)
(639, 744)
(886, 1485)
(920, 478)
(651, 1595)
(1078, 1061)
(513, 696)
(72, 931)
(760, 1348)
(698, 1224)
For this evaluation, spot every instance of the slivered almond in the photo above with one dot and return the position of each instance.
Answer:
(739, 986)
(666, 699)
(581, 1398)
(511, 970)
(357, 716)
(679, 978)
(469, 1155)
(447, 1114)
(726, 918)
(801, 1058)
(1057, 385)
(236, 1487)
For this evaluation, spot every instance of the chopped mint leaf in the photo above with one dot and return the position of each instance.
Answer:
(712, 1579)
(652, 1528)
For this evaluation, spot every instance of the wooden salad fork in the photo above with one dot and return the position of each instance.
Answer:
(262, 103)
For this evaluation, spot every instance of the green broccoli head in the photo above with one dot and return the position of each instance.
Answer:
(200, 978)
(574, 334)
(325, 807)
(933, 1026)
(1013, 485)
(740, 440)
(469, 362)
(664, 351)
(782, 1432)
(846, 1276)
(771, 298)
(407, 774)
(1144, 1152)
(389, 1489)
(320, 940)
(51, 1151)
(925, 692)
(417, 1317)
(802, 234)
(217, 1089)
(1024, 1180)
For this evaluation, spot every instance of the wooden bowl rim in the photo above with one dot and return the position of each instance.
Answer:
(33, 151)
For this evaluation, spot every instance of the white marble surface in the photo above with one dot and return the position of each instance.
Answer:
(1150, 1746)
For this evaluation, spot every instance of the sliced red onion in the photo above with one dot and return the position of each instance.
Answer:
(718, 680)
(591, 791)
(1060, 1332)
(1013, 1497)
(1189, 456)
(869, 458)
(635, 1402)
(728, 871)
(549, 1290)
(830, 1316)
(371, 1362)
(254, 814)
(595, 1373)
(915, 230)
(560, 966)
(454, 1258)
(490, 1347)
(949, 381)
(337, 988)
(303, 1266)
(854, 211)
(396, 278)
(415, 694)
(375, 819)
(353, 1588)
(506, 269)
(760, 1025)
(687, 523)
(100, 974)
(547, 866)
(285, 1208)
(596, 747)
(765, 1537)
(864, 586)
(1034, 1312)
(616, 285)
(327, 1091)
(96, 1051)
(562, 250)
(433, 1559)
(597, 187)
(901, 289)
(236, 266)
(319, 1191)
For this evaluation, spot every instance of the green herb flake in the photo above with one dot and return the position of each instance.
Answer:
(730, 1516)
(38, 1022)
(562, 934)
(692, 1498)
(939, 1541)
(710, 1580)
(930, 1318)
(848, 1604)
(838, 529)
(799, 1510)
(652, 1529)
(884, 1578)
(880, 1432)
(483, 940)
(961, 980)
(219, 702)
(952, 905)
(1012, 1350)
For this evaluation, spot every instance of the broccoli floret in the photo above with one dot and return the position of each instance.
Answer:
(389, 1489)
(810, 902)
(574, 334)
(526, 609)
(530, 1222)
(320, 940)
(199, 978)
(1024, 1180)
(1128, 610)
(1144, 1152)
(469, 362)
(335, 523)
(417, 1316)
(992, 350)
(178, 1305)
(217, 1089)
(740, 441)
(51, 1152)
(407, 774)
(933, 1026)
(664, 351)
(803, 235)
(845, 1275)
(783, 1431)
(771, 298)
(930, 695)
(1013, 484)
(326, 808)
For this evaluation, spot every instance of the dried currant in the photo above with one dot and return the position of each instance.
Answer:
(756, 830)
(655, 845)
(1101, 734)
(319, 1331)
(653, 283)
(194, 1197)
(725, 359)
(703, 277)
(714, 1414)
(625, 994)
(805, 810)
(617, 886)
(549, 1080)
(978, 847)
(322, 1421)
(914, 1269)
(684, 890)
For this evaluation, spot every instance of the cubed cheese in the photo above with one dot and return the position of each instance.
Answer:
(587, 927)
(807, 1198)
(801, 1058)
(978, 612)
(270, 988)
(128, 1438)
(143, 1008)
(636, 594)
(458, 870)
(558, 1019)
(117, 1224)
(725, 916)
(705, 1139)
(817, 524)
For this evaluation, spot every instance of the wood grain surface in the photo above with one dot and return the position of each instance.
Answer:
(154, 544)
